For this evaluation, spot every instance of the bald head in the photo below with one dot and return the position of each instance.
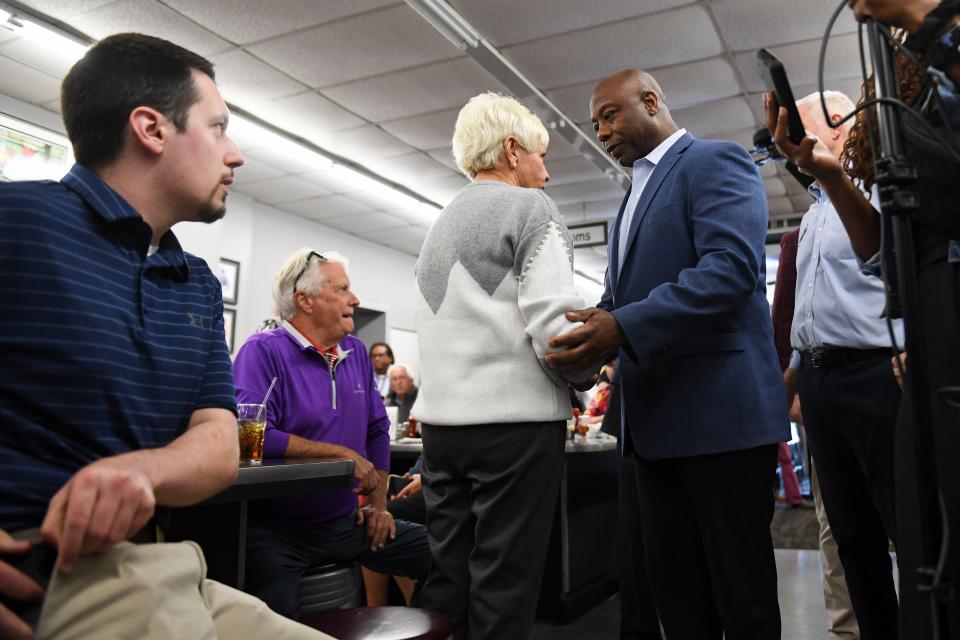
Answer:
(629, 115)
(633, 80)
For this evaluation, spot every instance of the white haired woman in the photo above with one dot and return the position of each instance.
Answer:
(494, 279)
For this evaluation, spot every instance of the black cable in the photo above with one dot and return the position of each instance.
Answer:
(865, 76)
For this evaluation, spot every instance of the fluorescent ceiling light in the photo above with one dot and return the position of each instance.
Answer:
(248, 133)
(51, 39)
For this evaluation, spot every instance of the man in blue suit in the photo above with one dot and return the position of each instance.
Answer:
(702, 395)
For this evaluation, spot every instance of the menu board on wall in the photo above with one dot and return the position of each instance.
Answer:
(28, 152)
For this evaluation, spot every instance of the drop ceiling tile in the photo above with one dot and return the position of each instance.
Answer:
(571, 170)
(53, 105)
(430, 88)
(376, 199)
(62, 9)
(444, 156)
(409, 248)
(429, 131)
(373, 221)
(245, 21)
(748, 24)
(361, 143)
(801, 59)
(584, 55)
(150, 17)
(405, 169)
(574, 100)
(743, 137)
(335, 206)
(285, 155)
(442, 190)
(780, 206)
(560, 149)
(37, 56)
(407, 234)
(20, 81)
(330, 180)
(283, 189)
(600, 189)
(254, 171)
(421, 217)
(505, 22)
(722, 115)
(369, 44)
(308, 115)
(683, 85)
(774, 187)
(246, 81)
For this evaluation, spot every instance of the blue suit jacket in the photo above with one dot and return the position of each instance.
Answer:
(699, 370)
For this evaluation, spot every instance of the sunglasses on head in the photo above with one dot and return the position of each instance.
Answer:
(306, 264)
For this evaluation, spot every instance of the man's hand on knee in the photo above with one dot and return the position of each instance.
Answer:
(380, 526)
(102, 504)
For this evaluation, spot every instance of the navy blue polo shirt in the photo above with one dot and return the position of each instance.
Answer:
(103, 350)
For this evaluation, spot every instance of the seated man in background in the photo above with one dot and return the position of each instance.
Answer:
(381, 357)
(115, 387)
(325, 405)
(403, 393)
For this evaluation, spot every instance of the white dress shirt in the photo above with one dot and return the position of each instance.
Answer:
(642, 169)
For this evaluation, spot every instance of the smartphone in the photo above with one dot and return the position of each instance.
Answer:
(396, 484)
(775, 77)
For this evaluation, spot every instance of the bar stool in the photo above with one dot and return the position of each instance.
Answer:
(382, 623)
(326, 587)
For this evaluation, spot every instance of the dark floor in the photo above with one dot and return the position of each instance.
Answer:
(799, 589)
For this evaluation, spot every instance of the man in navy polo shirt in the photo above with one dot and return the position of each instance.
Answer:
(116, 394)
(325, 404)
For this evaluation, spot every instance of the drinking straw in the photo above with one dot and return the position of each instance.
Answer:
(263, 404)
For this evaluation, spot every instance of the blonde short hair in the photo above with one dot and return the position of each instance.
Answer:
(484, 123)
(837, 104)
(309, 283)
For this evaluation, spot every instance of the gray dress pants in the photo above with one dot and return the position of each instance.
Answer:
(491, 492)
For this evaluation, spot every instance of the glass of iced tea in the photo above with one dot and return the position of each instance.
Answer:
(252, 422)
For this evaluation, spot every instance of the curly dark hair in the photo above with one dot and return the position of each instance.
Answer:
(857, 156)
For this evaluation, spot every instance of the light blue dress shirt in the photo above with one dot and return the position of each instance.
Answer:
(837, 305)
(642, 169)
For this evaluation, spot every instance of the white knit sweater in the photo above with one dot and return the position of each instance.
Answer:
(494, 279)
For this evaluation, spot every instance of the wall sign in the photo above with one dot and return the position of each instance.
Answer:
(589, 235)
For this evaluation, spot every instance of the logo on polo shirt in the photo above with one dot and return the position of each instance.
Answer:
(196, 320)
(359, 388)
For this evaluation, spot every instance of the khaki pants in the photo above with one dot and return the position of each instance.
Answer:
(843, 622)
(155, 591)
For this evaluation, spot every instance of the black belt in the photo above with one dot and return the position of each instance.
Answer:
(821, 357)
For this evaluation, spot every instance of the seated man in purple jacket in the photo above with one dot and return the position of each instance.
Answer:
(325, 405)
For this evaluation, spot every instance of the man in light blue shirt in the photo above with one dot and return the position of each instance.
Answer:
(841, 368)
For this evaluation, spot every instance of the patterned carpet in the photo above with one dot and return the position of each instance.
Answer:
(794, 528)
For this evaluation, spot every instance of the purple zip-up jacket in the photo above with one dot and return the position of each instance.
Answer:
(344, 408)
